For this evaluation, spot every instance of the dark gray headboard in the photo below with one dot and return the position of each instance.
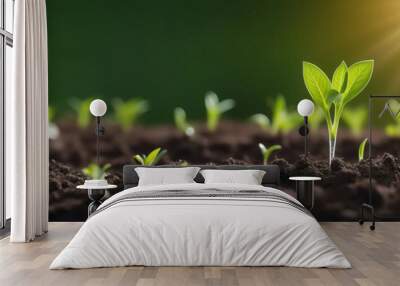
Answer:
(271, 177)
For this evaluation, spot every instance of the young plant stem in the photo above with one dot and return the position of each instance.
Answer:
(332, 147)
(333, 130)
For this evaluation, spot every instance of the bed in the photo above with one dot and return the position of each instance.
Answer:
(197, 224)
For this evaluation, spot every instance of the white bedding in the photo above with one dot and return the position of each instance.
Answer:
(192, 231)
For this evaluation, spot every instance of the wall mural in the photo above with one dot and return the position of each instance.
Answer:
(211, 84)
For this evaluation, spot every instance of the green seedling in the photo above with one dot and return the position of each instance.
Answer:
(183, 163)
(361, 149)
(53, 131)
(126, 113)
(215, 109)
(392, 130)
(81, 108)
(181, 122)
(151, 159)
(283, 120)
(355, 119)
(261, 120)
(267, 152)
(332, 96)
(96, 172)
(51, 113)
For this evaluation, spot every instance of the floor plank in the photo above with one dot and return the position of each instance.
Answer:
(375, 257)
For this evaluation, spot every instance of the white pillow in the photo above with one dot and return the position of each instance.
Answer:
(248, 177)
(164, 176)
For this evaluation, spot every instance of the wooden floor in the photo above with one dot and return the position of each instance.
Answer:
(375, 257)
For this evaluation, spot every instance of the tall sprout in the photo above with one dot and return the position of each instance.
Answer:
(215, 109)
(126, 113)
(332, 96)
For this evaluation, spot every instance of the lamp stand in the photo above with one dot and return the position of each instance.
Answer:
(99, 132)
(306, 136)
(304, 132)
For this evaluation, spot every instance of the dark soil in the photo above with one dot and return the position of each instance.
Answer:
(345, 185)
(66, 202)
(338, 196)
(77, 147)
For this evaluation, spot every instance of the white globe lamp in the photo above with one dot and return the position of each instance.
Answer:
(98, 107)
(305, 107)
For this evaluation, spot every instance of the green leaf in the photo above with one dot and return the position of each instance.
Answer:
(181, 122)
(261, 120)
(359, 75)
(148, 161)
(159, 156)
(317, 84)
(339, 79)
(361, 149)
(262, 148)
(266, 152)
(278, 113)
(180, 118)
(333, 96)
(81, 107)
(126, 113)
(211, 100)
(392, 130)
(269, 152)
(51, 112)
(283, 120)
(215, 108)
(355, 119)
(226, 105)
(106, 167)
(86, 171)
(139, 159)
(95, 171)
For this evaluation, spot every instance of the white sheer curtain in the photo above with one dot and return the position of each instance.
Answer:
(26, 128)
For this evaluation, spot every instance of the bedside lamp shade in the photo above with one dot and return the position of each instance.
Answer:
(98, 107)
(305, 107)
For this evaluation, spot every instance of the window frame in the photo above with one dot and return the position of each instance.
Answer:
(6, 39)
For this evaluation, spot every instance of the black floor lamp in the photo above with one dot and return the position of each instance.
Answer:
(305, 108)
(98, 108)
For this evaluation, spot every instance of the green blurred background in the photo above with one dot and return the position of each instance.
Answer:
(171, 52)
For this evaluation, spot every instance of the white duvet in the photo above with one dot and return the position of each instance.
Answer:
(200, 231)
